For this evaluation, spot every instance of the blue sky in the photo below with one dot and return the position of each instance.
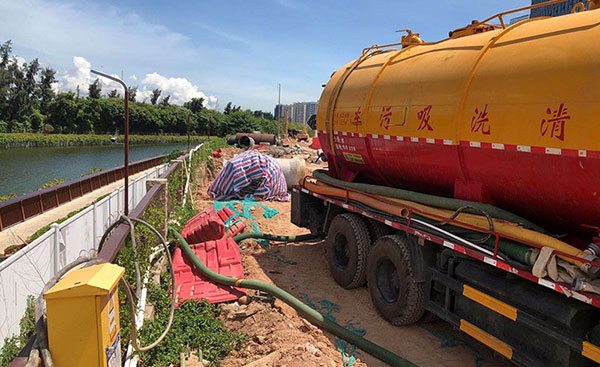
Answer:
(234, 50)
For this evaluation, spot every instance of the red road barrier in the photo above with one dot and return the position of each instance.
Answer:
(221, 256)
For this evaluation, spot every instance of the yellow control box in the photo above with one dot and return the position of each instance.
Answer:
(83, 318)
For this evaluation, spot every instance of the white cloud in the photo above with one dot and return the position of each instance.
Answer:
(181, 90)
(18, 59)
(100, 32)
(113, 38)
(78, 76)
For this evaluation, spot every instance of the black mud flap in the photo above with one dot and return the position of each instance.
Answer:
(307, 211)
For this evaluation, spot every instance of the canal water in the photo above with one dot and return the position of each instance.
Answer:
(26, 169)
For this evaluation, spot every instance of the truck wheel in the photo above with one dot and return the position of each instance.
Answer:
(348, 245)
(394, 292)
(377, 229)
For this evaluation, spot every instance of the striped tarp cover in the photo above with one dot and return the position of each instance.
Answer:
(250, 174)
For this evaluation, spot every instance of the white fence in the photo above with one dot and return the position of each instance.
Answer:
(25, 273)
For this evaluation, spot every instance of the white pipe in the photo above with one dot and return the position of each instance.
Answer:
(187, 180)
(465, 242)
(132, 360)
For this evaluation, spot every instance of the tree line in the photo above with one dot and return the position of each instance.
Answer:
(29, 104)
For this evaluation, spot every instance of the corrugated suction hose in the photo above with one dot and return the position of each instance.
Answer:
(305, 311)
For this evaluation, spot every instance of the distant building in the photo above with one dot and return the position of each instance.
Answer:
(279, 111)
(298, 112)
(518, 19)
(552, 10)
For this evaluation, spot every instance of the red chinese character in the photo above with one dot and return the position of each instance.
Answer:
(357, 121)
(424, 117)
(385, 117)
(480, 121)
(556, 124)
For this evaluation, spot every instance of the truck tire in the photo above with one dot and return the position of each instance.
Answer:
(377, 229)
(390, 278)
(348, 243)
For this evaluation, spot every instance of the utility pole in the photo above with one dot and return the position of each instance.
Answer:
(126, 128)
(279, 110)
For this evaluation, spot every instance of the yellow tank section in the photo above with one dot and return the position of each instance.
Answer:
(487, 87)
(535, 71)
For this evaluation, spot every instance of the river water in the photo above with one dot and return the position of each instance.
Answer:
(26, 169)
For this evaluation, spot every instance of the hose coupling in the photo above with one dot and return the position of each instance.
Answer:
(578, 284)
(594, 247)
(587, 267)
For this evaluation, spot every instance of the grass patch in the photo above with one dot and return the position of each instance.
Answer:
(11, 140)
(14, 344)
(46, 228)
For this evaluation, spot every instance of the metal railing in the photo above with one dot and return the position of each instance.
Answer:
(25, 272)
(20, 209)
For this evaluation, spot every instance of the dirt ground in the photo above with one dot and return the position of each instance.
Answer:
(278, 336)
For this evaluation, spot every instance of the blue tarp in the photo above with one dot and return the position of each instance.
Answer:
(250, 174)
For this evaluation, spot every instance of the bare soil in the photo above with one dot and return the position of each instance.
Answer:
(278, 336)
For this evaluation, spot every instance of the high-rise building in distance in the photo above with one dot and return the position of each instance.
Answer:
(298, 112)
(552, 10)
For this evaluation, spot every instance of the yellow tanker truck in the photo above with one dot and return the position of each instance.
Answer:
(464, 182)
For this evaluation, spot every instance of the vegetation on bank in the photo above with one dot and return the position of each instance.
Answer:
(11, 140)
(196, 325)
(48, 184)
(13, 345)
(30, 105)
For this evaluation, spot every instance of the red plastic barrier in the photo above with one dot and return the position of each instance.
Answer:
(210, 225)
(235, 226)
(204, 226)
(221, 256)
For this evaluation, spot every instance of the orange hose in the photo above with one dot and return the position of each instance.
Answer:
(362, 198)
(470, 220)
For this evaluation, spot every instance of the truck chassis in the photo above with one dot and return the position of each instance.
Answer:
(479, 294)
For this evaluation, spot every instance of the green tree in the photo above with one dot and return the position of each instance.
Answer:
(165, 101)
(36, 120)
(46, 94)
(62, 113)
(132, 93)
(95, 90)
(17, 99)
(30, 75)
(113, 94)
(5, 50)
(227, 109)
(195, 104)
(155, 95)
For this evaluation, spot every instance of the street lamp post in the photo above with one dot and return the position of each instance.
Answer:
(126, 158)
(188, 129)
(279, 111)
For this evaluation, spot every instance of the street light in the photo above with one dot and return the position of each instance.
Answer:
(126, 165)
